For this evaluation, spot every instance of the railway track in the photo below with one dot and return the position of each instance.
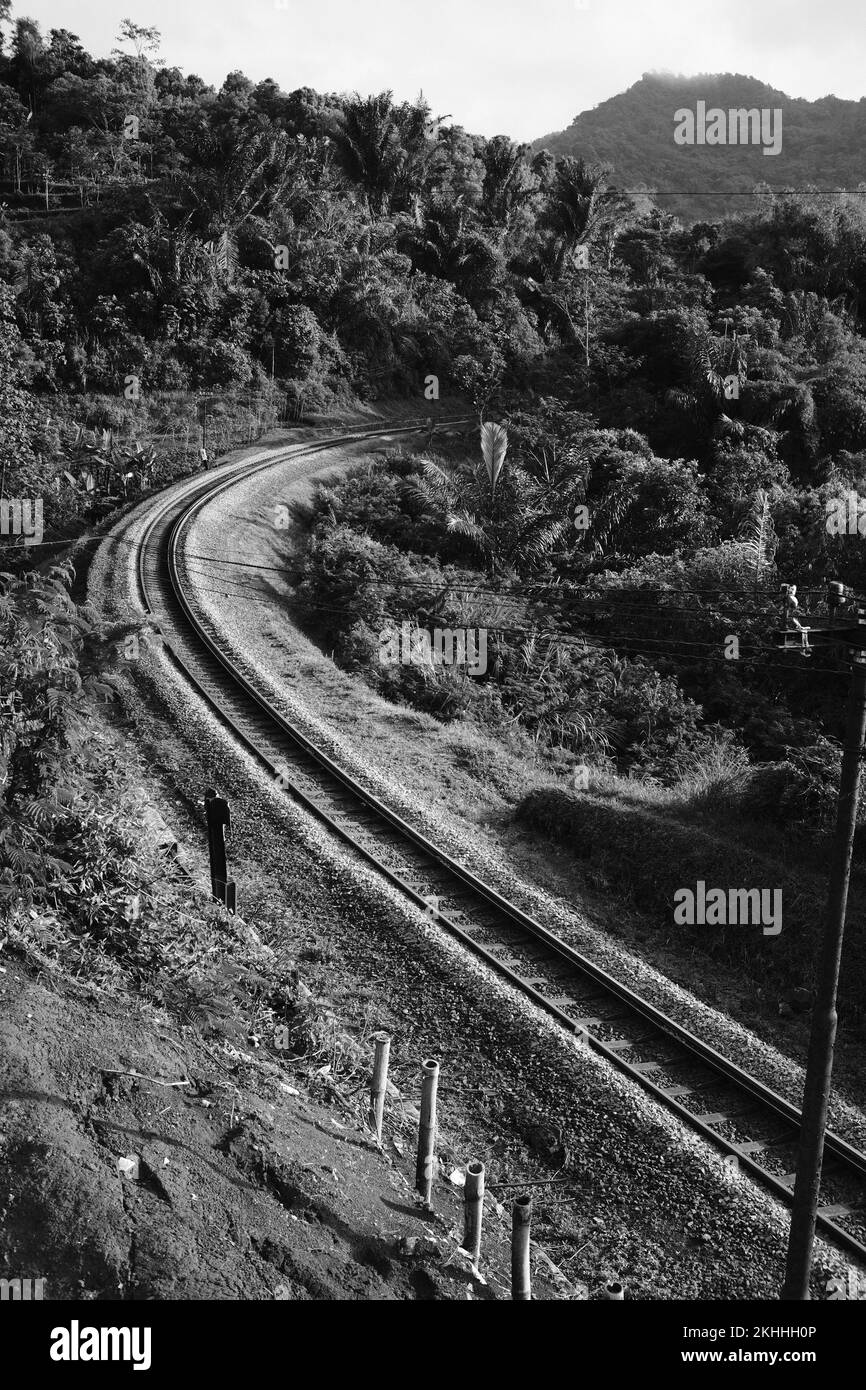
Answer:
(753, 1128)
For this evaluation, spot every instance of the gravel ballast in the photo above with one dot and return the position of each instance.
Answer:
(643, 1198)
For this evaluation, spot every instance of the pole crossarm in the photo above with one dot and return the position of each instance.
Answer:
(791, 639)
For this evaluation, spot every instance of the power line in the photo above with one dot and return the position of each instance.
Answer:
(657, 648)
(435, 598)
(637, 645)
(739, 192)
(607, 599)
(590, 610)
(553, 588)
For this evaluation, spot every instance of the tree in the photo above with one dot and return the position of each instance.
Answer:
(442, 242)
(547, 440)
(16, 134)
(456, 171)
(480, 375)
(639, 503)
(760, 536)
(26, 66)
(508, 181)
(366, 141)
(181, 276)
(144, 40)
(66, 55)
(18, 413)
(511, 526)
(383, 148)
(582, 210)
(709, 361)
(5, 7)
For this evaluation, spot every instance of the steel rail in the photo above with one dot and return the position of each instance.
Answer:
(176, 516)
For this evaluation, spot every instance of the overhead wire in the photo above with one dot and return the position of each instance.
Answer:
(605, 641)
(616, 601)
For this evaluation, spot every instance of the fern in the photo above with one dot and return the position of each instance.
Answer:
(760, 535)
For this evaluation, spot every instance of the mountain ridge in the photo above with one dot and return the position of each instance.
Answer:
(823, 143)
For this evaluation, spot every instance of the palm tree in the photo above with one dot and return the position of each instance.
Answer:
(582, 210)
(710, 362)
(181, 273)
(508, 180)
(442, 242)
(243, 185)
(511, 527)
(384, 148)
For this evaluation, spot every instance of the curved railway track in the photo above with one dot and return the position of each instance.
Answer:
(753, 1127)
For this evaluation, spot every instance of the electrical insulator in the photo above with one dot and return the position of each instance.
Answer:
(835, 597)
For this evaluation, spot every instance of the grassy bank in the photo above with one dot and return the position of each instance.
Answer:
(644, 854)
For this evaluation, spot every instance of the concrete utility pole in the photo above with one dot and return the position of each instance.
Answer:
(819, 1065)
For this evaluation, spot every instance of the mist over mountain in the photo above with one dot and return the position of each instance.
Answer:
(823, 143)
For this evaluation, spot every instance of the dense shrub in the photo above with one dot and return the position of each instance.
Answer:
(803, 791)
(59, 837)
(349, 579)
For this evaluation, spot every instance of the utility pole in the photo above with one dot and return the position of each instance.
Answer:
(819, 1064)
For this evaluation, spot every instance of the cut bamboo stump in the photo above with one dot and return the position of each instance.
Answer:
(379, 1084)
(473, 1209)
(427, 1129)
(614, 1292)
(521, 1221)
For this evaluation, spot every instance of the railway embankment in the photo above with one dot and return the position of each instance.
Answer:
(633, 1194)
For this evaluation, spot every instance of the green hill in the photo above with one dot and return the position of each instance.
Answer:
(823, 143)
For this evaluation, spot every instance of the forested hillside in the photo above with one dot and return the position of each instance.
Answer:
(821, 146)
(683, 404)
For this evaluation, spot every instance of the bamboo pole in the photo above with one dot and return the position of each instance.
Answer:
(379, 1083)
(521, 1221)
(473, 1210)
(427, 1129)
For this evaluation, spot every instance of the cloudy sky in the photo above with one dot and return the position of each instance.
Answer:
(520, 67)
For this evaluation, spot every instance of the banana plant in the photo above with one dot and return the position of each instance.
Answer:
(494, 444)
